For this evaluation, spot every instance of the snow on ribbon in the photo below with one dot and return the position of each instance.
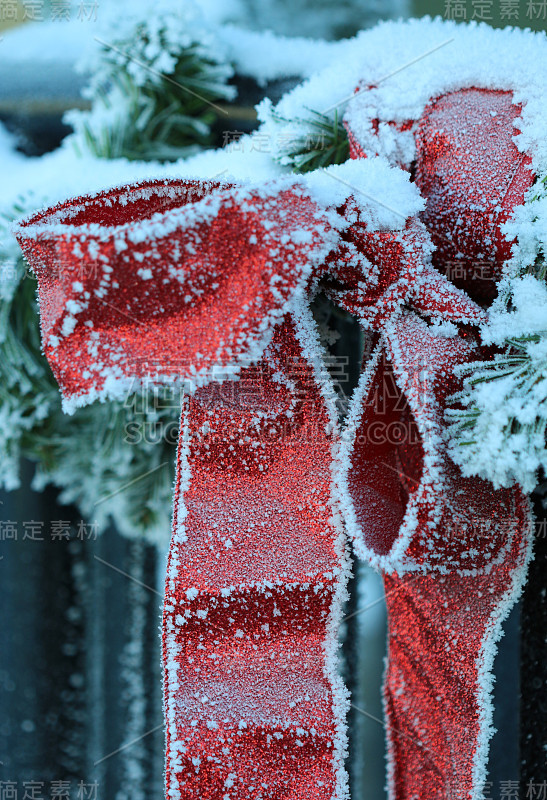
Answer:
(258, 566)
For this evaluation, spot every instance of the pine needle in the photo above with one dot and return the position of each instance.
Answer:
(321, 140)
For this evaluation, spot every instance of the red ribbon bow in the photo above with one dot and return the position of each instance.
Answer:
(208, 284)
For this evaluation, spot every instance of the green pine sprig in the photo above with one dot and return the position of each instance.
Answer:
(321, 140)
(152, 116)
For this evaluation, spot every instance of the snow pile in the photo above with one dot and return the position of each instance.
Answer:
(385, 196)
(265, 56)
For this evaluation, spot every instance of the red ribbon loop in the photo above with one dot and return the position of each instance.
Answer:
(168, 279)
(471, 174)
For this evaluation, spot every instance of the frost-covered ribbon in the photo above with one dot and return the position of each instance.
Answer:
(453, 551)
(207, 285)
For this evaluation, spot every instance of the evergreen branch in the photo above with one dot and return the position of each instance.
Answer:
(144, 111)
(497, 423)
(320, 140)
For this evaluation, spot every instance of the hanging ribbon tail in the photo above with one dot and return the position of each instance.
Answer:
(454, 553)
(256, 578)
(172, 280)
(200, 282)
